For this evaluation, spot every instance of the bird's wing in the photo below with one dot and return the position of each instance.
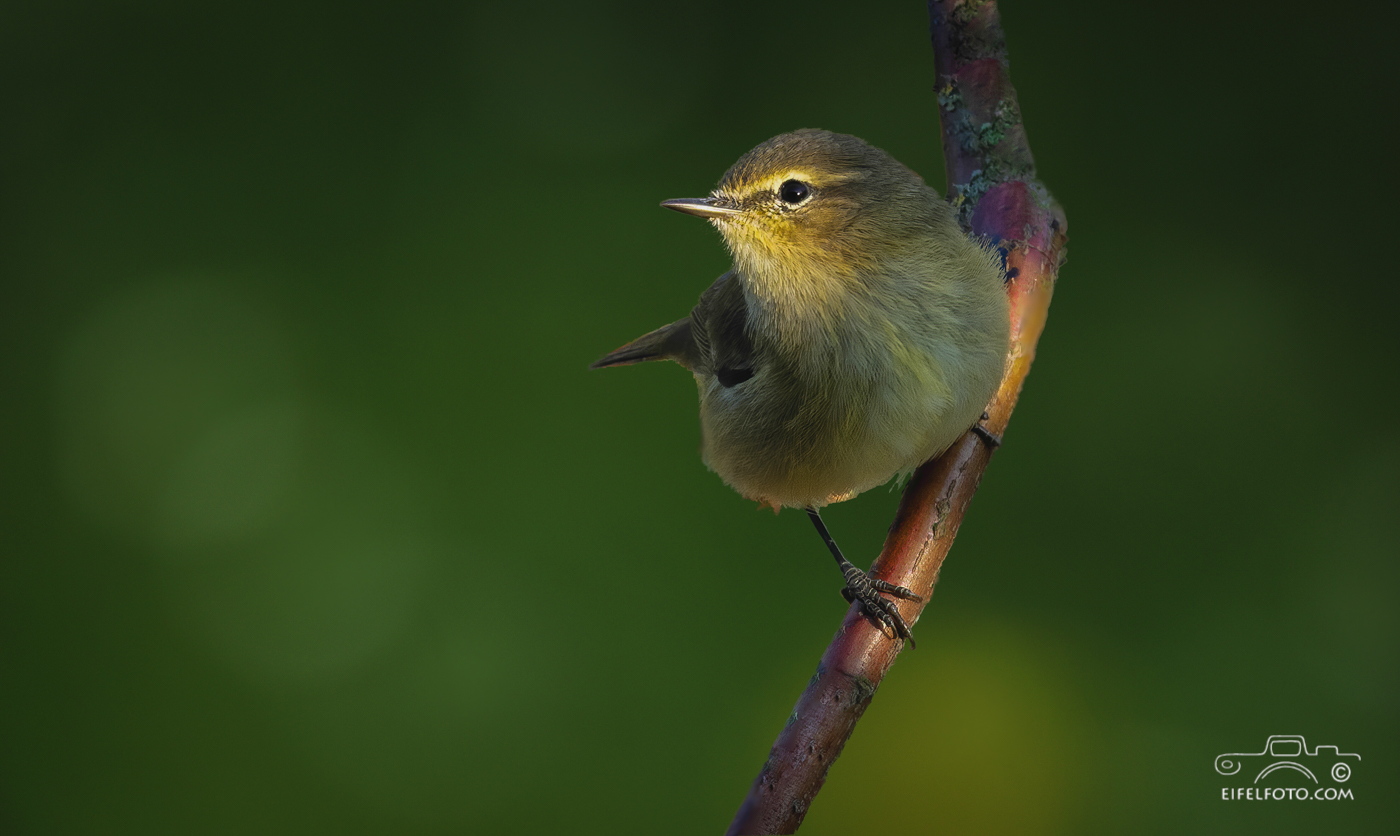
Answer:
(712, 340)
(720, 325)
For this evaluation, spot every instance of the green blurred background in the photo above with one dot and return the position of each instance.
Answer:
(314, 520)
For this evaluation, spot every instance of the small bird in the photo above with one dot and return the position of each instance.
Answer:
(858, 335)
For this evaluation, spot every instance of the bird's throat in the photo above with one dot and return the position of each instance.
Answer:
(799, 298)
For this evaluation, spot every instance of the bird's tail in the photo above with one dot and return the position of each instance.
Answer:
(670, 342)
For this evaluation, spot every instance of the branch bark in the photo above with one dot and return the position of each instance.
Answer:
(991, 179)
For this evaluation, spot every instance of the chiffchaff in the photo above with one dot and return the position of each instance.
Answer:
(858, 335)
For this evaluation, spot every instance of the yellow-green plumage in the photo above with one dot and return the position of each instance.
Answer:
(859, 334)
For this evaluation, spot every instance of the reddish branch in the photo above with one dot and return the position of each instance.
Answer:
(991, 179)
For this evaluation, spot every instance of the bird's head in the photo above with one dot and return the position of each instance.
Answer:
(813, 200)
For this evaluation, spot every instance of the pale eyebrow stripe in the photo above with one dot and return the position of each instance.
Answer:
(772, 182)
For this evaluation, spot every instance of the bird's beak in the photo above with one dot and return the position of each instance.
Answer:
(704, 207)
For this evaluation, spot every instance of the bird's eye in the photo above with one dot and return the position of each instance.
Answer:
(794, 191)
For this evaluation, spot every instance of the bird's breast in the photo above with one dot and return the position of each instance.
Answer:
(823, 417)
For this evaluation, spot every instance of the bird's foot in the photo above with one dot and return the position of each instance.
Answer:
(865, 589)
(991, 439)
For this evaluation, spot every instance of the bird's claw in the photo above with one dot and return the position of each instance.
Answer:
(865, 589)
(991, 439)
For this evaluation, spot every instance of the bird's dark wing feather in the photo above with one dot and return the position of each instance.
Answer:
(712, 340)
(721, 331)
